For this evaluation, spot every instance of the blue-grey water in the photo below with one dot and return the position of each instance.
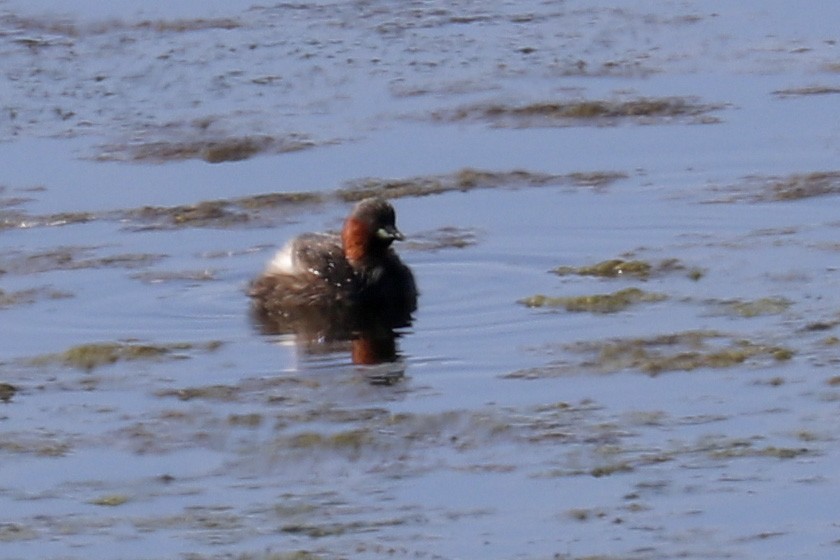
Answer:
(700, 422)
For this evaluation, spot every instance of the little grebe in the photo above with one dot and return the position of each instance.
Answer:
(357, 271)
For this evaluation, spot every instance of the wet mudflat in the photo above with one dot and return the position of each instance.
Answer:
(622, 222)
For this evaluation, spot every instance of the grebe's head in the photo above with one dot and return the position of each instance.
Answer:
(369, 230)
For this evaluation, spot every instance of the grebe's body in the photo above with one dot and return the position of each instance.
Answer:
(355, 272)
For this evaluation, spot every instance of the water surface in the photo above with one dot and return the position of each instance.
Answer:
(697, 422)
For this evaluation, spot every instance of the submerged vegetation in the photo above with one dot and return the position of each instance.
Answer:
(753, 308)
(263, 209)
(595, 303)
(216, 150)
(609, 269)
(216, 213)
(808, 90)
(7, 391)
(443, 238)
(784, 189)
(110, 500)
(615, 268)
(468, 179)
(24, 297)
(808, 185)
(91, 356)
(683, 351)
(221, 213)
(347, 440)
(66, 28)
(67, 258)
(569, 113)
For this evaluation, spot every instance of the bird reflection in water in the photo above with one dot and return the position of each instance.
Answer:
(370, 338)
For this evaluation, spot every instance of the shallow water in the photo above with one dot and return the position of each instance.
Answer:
(700, 423)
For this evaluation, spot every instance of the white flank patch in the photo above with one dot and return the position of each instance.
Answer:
(282, 263)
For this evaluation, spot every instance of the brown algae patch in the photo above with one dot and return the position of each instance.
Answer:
(351, 440)
(609, 269)
(684, 351)
(202, 138)
(226, 393)
(753, 308)
(110, 500)
(334, 529)
(444, 238)
(594, 178)
(748, 450)
(263, 208)
(808, 90)
(220, 521)
(65, 28)
(11, 532)
(357, 436)
(41, 445)
(73, 258)
(220, 213)
(7, 391)
(91, 356)
(719, 448)
(249, 420)
(223, 213)
(466, 180)
(608, 470)
(272, 201)
(807, 185)
(259, 390)
(782, 189)
(186, 25)
(25, 297)
(212, 151)
(19, 220)
(620, 268)
(595, 303)
(159, 277)
(595, 112)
